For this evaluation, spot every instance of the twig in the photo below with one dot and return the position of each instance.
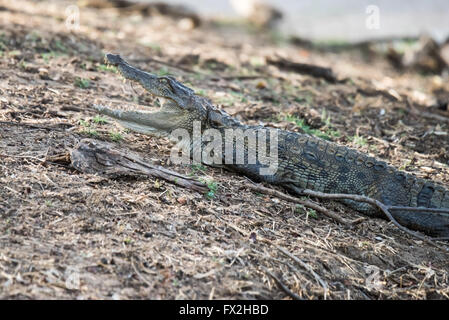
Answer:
(20, 157)
(365, 44)
(306, 203)
(213, 78)
(240, 77)
(421, 113)
(71, 108)
(169, 64)
(281, 285)
(34, 126)
(433, 116)
(304, 68)
(140, 275)
(285, 252)
(337, 196)
(93, 156)
(374, 92)
(304, 265)
(384, 208)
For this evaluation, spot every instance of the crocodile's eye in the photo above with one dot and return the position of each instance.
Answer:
(215, 119)
(166, 85)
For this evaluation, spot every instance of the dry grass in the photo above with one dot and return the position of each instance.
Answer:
(71, 235)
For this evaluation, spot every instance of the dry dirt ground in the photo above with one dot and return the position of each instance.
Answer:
(64, 234)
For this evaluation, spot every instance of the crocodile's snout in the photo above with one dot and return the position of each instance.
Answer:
(114, 59)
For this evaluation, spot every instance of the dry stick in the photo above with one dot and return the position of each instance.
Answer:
(19, 157)
(168, 175)
(306, 203)
(285, 252)
(94, 156)
(304, 68)
(239, 77)
(373, 92)
(141, 275)
(213, 78)
(290, 266)
(31, 125)
(162, 169)
(337, 196)
(173, 65)
(305, 266)
(420, 113)
(71, 108)
(384, 208)
(282, 286)
(433, 116)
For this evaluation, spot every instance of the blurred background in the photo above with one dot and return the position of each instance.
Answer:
(342, 20)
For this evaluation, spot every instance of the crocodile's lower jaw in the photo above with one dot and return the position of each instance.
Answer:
(143, 129)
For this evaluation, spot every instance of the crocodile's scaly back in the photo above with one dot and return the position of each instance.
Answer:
(303, 161)
(316, 164)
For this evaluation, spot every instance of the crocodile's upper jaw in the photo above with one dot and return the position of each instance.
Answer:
(179, 104)
(154, 123)
(160, 86)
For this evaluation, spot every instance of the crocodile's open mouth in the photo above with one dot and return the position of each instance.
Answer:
(160, 122)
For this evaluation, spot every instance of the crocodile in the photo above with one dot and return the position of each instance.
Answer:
(303, 161)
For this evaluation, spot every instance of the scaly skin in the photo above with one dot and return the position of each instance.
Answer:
(304, 162)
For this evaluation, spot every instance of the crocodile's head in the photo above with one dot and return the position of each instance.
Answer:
(163, 87)
(180, 108)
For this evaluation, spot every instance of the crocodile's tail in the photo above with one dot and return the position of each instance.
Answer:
(432, 196)
(432, 223)
(419, 193)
